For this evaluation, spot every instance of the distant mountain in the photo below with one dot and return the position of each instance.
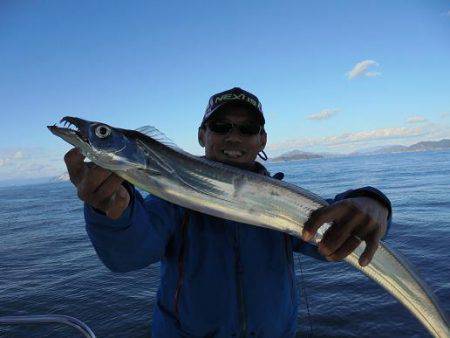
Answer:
(296, 155)
(61, 178)
(420, 146)
(431, 145)
(380, 150)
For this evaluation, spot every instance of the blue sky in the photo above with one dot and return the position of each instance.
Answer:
(332, 75)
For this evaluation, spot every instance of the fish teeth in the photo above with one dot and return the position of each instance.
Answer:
(69, 125)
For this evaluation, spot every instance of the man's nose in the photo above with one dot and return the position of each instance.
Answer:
(233, 135)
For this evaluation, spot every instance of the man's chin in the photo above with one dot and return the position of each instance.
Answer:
(240, 163)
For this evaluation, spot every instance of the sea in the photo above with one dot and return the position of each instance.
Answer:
(48, 265)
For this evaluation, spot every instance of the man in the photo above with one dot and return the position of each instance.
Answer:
(220, 278)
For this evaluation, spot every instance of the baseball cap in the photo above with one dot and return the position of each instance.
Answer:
(236, 96)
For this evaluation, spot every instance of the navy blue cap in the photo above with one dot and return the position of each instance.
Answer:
(233, 96)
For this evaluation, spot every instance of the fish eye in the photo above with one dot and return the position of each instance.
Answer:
(102, 131)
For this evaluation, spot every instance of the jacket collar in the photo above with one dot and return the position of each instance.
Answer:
(260, 169)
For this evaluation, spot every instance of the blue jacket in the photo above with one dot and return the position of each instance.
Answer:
(219, 278)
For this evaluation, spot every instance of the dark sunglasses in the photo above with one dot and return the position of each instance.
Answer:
(225, 127)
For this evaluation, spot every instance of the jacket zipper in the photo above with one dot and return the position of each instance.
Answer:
(290, 265)
(240, 287)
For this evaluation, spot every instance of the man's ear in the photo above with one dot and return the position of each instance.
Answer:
(201, 137)
(263, 140)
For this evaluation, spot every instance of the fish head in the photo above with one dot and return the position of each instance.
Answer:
(109, 147)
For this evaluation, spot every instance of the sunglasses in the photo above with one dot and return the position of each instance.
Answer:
(225, 127)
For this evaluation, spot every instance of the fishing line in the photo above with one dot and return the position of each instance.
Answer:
(303, 291)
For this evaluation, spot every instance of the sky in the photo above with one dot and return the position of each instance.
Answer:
(332, 76)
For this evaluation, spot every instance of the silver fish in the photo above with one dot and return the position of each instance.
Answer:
(147, 160)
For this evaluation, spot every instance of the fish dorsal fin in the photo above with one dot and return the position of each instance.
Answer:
(158, 136)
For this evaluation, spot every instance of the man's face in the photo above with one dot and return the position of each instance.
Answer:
(233, 147)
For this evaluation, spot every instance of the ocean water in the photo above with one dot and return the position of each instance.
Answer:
(48, 266)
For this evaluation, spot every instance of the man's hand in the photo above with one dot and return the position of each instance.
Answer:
(352, 220)
(96, 186)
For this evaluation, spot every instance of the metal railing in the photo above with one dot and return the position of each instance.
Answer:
(45, 319)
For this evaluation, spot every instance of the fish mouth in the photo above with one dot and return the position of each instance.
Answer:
(74, 130)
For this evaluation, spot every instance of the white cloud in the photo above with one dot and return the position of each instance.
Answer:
(17, 155)
(5, 160)
(351, 141)
(376, 134)
(361, 69)
(373, 74)
(323, 115)
(416, 119)
(30, 163)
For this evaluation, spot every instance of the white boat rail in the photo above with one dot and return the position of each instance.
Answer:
(45, 319)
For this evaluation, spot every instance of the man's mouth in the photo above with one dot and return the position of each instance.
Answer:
(233, 153)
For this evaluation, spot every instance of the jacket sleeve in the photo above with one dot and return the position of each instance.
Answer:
(136, 239)
(311, 250)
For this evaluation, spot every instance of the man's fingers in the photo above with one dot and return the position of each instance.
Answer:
(93, 177)
(340, 231)
(74, 163)
(96, 186)
(314, 222)
(106, 189)
(345, 249)
(324, 215)
(118, 203)
(351, 221)
(372, 243)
